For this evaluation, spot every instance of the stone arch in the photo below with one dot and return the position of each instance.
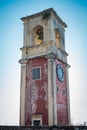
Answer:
(57, 38)
(38, 35)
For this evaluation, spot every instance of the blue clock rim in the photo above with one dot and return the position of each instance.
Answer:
(58, 66)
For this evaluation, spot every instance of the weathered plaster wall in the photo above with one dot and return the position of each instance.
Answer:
(36, 91)
(61, 98)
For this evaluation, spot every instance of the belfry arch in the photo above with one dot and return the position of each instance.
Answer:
(38, 35)
(57, 38)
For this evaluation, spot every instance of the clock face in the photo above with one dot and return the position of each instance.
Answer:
(60, 73)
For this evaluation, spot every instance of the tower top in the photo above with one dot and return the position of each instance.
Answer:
(45, 14)
(44, 33)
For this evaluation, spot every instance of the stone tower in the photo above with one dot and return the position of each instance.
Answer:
(44, 97)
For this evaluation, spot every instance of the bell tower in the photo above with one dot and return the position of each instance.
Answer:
(44, 96)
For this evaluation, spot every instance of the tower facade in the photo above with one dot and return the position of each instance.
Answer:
(44, 97)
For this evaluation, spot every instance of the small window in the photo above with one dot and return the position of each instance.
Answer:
(57, 89)
(36, 119)
(64, 92)
(36, 122)
(36, 73)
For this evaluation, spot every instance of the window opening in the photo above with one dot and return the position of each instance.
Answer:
(36, 122)
(57, 89)
(57, 38)
(39, 35)
(36, 73)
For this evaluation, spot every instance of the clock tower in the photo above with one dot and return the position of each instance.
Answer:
(44, 96)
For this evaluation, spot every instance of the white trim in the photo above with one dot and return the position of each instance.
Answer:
(54, 94)
(50, 93)
(22, 95)
(68, 96)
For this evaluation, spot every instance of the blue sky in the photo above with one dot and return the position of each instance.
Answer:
(74, 13)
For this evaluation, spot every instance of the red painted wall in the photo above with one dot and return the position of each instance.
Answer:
(61, 98)
(36, 100)
(36, 91)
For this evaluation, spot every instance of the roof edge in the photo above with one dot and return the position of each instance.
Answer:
(42, 12)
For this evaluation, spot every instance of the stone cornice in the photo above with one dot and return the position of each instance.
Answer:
(41, 13)
(50, 45)
(49, 55)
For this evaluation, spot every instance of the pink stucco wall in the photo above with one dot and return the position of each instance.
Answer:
(36, 91)
(61, 97)
(36, 100)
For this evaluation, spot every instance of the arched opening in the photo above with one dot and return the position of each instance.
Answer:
(38, 35)
(57, 38)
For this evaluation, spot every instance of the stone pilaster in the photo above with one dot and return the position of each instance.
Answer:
(25, 33)
(22, 94)
(54, 92)
(68, 97)
(52, 110)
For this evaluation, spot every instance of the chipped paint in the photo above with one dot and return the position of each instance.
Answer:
(61, 98)
(36, 91)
